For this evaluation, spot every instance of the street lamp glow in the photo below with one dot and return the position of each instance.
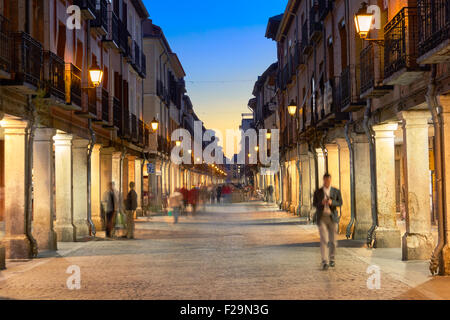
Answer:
(256, 148)
(189, 151)
(363, 21)
(155, 125)
(268, 135)
(96, 75)
(178, 143)
(292, 108)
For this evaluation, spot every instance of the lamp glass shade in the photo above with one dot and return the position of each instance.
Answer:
(363, 23)
(292, 108)
(155, 125)
(96, 75)
(268, 135)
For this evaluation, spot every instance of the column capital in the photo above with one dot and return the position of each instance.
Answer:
(62, 139)
(332, 147)
(342, 143)
(415, 118)
(44, 134)
(80, 143)
(320, 152)
(14, 126)
(444, 101)
(359, 138)
(386, 130)
(107, 150)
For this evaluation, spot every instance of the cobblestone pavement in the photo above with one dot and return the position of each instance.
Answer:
(246, 251)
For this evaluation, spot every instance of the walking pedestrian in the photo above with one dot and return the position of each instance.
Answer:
(176, 203)
(326, 201)
(130, 207)
(111, 201)
(219, 193)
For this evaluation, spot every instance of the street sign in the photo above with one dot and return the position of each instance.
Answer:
(150, 168)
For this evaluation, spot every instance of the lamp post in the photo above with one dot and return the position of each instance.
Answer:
(363, 24)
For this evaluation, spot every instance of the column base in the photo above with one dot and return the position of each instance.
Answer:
(82, 229)
(2, 258)
(17, 247)
(66, 233)
(98, 223)
(387, 238)
(46, 240)
(361, 230)
(445, 270)
(417, 246)
(305, 211)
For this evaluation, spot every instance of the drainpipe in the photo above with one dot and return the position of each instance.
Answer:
(436, 112)
(316, 164)
(30, 131)
(373, 172)
(89, 183)
(324, 150)
(352, 178)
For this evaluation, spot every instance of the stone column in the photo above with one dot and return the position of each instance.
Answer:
(387, 234)
(65, 229)
(138, 181)
(96, 195)
(306, 181)
(344, 176)
(418, 242)
(445, 103)
(106, 173)
(79, 180)
(363, 209)
(16, 243)
(43, 189)
(333, 164)
(115, 168)
(321, 164)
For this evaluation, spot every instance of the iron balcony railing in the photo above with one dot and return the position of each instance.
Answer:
(141, 132)
(305, 44)
(73, 85)
(434, 24)
(27, 59)
(101, 16)
(92, 101)
(117, 116)
(147, 136)
(137, 56)
(401, 36)
(126, 123)
(325, 6)
(299, 58)
(315, 27)
(123, 39)
(113, 35)
(54, 71)
(134, 128)
(367, 73)
(345, 87)
(105, 105)
(5, 45)
(143, 71)
(87, 7)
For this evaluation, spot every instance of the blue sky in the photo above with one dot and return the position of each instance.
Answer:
(222, 47)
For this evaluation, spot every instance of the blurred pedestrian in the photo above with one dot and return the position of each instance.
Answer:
(193, 199)
(130, 207)
(326, 201)
(176, 203)
(111, 201)
(219, 193)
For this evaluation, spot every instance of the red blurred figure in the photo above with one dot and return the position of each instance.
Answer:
(185, 193)
(193, 198)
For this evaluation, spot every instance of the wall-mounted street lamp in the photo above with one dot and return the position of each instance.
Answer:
(268, 135)
(154, 124)
(292, 108)
(363, 24)
(178, 143)
(256, 148)
(96, 75)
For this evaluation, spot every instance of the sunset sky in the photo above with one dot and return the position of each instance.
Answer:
(222, 47)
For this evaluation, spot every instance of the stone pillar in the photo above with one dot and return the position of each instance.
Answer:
(333, 164)
(138, 181)
(445, 103)
(363, 209)
(43, 189)
(321, 164)
(306, 181)
(65, 229)
(115, 168)
(344, 176)
(96, 195)
(16, 243)
(387, 234)
(79, 180)
(106, 174)
(418, 242)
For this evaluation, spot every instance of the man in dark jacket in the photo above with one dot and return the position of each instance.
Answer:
(326, 201)
(130, 207)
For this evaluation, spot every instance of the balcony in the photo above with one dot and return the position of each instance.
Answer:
(306, 44)
(325, 7)
(90, 109)
(299, 58)
(401, 36)
(348, 91)
(124, 46)
(141, 132)
(117, 116)
(371, 72)
(88, 8)
(160, 89)
(434, 31)
(143, 70)
(331, 113)
(54, 77)
(126, 124)
(315, 27)
(73, 87)
(146, 136)
(136, 59)
(134, 128)
(5, 49)
(100, 23)
(105, 106)
(27, 61)
(112, 40)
